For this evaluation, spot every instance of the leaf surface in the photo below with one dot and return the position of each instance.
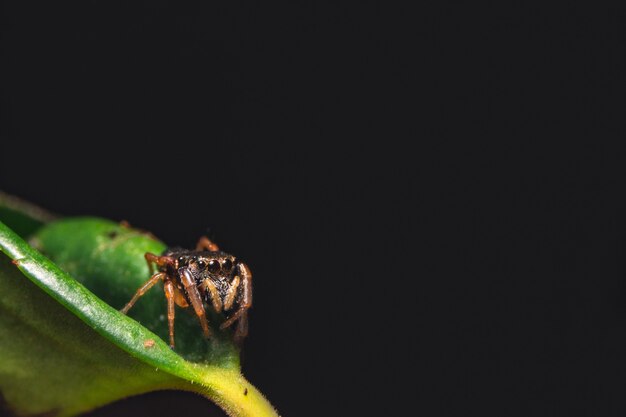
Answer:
(65, 350)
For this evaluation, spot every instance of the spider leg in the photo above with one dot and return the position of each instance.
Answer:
(143, 289)
(242, 328)
(158, 260)
(245, 302)
(168, 287)
(179, 298)
(236, 315)
(205, 244)
(194, 298)
(149, 262)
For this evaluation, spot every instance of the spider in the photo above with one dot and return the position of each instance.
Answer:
(206, 274)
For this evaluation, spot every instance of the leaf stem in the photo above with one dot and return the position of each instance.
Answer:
(232, 392)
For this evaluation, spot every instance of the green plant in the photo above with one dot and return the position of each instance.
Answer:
(65, 346)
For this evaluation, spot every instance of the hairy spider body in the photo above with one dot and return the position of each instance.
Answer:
(193, 278)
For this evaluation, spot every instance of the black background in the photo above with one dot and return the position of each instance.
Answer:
(431, 201)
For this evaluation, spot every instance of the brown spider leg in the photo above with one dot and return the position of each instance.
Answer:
(236, 315)
(206, 244)
(194, 298)
(158, 260)
(168, 287)
(242, 328)
(149, 262)
(143, 289)
(245, 303)
(179, 298)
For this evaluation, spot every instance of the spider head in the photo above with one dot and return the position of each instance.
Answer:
(214, 265)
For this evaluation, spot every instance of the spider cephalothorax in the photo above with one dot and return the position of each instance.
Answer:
(205, 275)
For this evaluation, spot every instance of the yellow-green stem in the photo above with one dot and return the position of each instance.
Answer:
(232, 392)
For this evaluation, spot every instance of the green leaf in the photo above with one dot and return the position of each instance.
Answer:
(108, 259)
(65, 351)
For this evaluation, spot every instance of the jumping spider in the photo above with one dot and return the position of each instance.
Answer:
(192, 277)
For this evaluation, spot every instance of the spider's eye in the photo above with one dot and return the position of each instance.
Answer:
(227, 265)
(181, 260)
(201, 264)
(214, 265)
